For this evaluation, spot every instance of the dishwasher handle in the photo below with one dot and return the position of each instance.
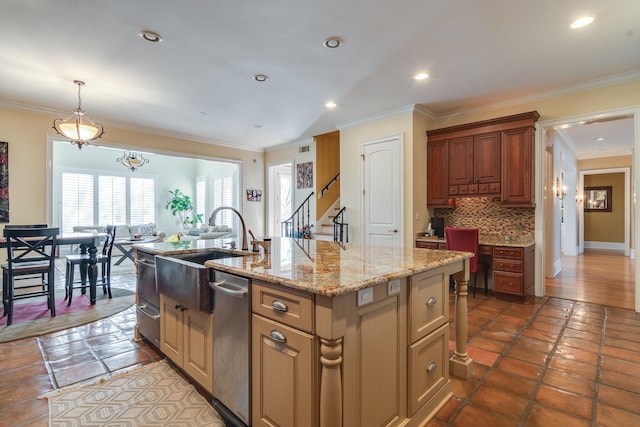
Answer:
(229, 288)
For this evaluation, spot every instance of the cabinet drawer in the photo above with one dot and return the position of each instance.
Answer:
(513, 266)
(429, 303)
(288, 306)
(489, 188)
(463, 189)
(485, 250)
(472, 189)
(511, 253)
(427, 245)
(428, 367)
(508, 282)
(453, 190)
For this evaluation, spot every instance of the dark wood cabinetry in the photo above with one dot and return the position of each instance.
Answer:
(492, 158)
(513, 272)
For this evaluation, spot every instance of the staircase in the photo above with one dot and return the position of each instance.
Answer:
(324, 230)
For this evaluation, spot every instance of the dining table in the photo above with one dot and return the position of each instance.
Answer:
(88, 242)
(125, 246)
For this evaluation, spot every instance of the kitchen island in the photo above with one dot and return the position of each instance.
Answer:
(343, 335)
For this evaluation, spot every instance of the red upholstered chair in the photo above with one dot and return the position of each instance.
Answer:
(466, 240)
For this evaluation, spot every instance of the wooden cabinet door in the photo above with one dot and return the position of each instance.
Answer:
(438, 174)
(171, 329)
(518, 167)
(461, 162)
(197, 358)
(486, 158)
(282, 375)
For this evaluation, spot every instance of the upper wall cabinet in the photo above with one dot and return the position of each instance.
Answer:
(492, 158)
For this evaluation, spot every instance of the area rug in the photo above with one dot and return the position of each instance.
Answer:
(153, 395)
(33, 318)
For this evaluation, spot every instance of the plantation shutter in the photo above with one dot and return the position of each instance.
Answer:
(77, 200)
(143, 201)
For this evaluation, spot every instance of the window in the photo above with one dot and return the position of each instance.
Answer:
(201, 197)
(223, 192)
(100, 199)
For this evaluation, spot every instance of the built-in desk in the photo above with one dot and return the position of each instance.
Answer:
(512, 263)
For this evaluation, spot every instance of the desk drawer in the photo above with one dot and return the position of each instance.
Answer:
(508, 282)
(505, 252)
(509, 265)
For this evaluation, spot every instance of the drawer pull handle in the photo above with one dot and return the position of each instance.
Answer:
(278, 336)
(432, 301)
(432, 367)
(280, 306)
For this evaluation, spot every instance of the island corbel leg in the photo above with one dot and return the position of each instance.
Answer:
(460, 364)
(331, 383)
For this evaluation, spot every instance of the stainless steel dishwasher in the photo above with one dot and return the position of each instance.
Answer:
(231, 348)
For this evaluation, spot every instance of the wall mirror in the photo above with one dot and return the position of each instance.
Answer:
(597, 199)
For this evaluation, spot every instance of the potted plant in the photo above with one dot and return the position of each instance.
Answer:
(181, 205)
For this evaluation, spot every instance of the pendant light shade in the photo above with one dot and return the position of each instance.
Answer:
(132, 160)
(79, 128)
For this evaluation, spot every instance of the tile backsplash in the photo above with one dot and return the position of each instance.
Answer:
(489, 216)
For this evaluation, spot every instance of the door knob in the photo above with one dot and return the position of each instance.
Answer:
(393, 231)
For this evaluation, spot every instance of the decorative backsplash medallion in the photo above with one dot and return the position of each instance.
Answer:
(490, 217)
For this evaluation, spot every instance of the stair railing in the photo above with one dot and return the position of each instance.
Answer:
(340, 228)
(298, 225)
(328, 186)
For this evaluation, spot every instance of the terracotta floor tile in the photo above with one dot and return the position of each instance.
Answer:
(79, 373)
(541, 335)
(448, 409)
(16, 349)
(527, 343)
(482, 356)
(500, 401)
(435, 422)
(498, 335)
(18, 376)
(576, 354)
(60, 340)
(566, 381)
(511, 383)
(521, 353)
(620, 353)
(608, 416)
(561, 302)
(551, 320)
(580, 344)
(462, 388)
(618, 398)
(546, 326)
(519, 367)
(593, 327)
(544, 416)
(72, 360)
(474, 416)
(24, 360)
(578, 368)
(488, 344)
(563, 400)
(583, 335)
(556, 312)
(633, 327)
(630, 336)
(621, 365)
(620, 343)
(115, 348)
(620, 380)
(126, 359)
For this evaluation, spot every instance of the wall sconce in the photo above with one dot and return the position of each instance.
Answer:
(560, 190)
(579, 198)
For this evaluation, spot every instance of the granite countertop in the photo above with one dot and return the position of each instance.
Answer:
(331, 269)
(490, 240)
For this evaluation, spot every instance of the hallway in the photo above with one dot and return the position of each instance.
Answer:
(596, 276)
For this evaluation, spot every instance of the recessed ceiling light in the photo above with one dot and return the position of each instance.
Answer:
(150, 36)
(583, 21)
(330, 104)
(260, 77)
(333, 42)
(421, 76)
(600, 139)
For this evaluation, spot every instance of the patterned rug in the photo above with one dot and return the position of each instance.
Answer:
(153, 395)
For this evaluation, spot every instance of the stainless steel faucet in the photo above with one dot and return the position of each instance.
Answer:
(212, 222)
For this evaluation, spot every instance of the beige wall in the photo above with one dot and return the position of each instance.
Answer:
(27, 133)
(606, 226)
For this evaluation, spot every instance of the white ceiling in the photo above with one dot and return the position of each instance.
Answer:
(197, 83)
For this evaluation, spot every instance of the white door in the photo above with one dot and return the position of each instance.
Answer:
(280, 196)
(382, 184)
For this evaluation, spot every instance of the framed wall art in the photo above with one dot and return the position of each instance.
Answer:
(4, 182)
(254, 195)
(304, 175)
(597, 199)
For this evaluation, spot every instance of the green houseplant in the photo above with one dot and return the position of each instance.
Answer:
(181, 205)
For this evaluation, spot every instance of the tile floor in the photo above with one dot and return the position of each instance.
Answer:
(553, 362)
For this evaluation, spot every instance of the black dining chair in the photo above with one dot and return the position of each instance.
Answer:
(82, 260)
(14, 226)
(30, 251)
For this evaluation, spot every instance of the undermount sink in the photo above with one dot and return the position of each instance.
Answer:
(184, 278)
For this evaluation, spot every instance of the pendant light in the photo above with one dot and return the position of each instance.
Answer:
(79, 128)
(132, 160)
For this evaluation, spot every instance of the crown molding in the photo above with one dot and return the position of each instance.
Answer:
(380, 116)
(292, 144)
